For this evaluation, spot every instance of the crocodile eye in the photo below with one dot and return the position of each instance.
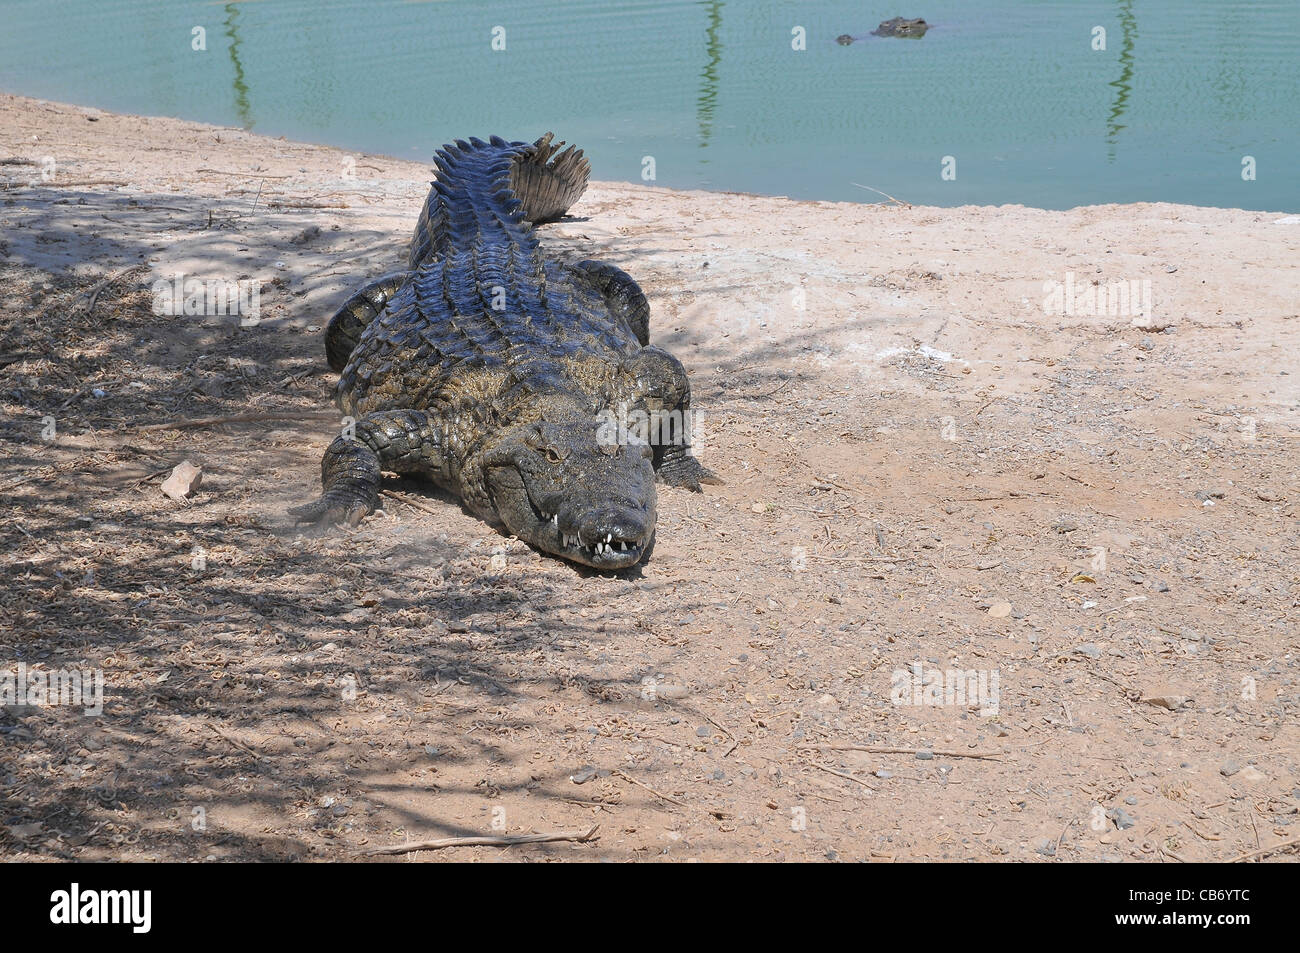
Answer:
(552, 455)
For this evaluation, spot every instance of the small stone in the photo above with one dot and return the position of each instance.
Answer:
(884, 775)
(583, 775)
(702, 732)
(1229, 768)
(1000, 610)
(925, 755)
(184, 480)
(1171, 702)
(306, 235)
(1123, 820)
(1130, 800)
(1161, 586)
(1089, 649)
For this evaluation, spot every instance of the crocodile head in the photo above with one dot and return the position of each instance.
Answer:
(902, 27)
(560, 486)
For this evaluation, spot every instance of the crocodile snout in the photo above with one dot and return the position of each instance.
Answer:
(618, 529)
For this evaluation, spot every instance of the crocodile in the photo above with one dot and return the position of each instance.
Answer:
(525, 385)
(898, 26)
(902, 27)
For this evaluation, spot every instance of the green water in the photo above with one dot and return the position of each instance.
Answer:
(714, 92)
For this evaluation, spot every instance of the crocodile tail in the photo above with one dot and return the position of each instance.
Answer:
(548, 179)
(487, 191)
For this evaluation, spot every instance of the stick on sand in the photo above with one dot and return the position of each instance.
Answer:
(505, 840)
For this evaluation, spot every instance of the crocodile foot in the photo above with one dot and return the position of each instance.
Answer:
(340, 506)
(685, 471)
(350, 478)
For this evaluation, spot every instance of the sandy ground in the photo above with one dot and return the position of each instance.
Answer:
(922, 465)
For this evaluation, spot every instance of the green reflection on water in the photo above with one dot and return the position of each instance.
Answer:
(1123, 85)
(707, 102)
(241, 88)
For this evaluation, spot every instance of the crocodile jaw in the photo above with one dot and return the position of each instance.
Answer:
(557, 489)
(584, 528)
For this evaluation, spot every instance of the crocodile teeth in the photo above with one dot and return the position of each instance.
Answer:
(608, 537)
(622, 545)
(556, 519)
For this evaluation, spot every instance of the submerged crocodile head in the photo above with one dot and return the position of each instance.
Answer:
(902, 27)
(560, 486)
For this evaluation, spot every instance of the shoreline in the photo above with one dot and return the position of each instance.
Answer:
(24, 102)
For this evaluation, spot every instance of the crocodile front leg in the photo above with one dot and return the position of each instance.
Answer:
(400, 441)
(664, 395)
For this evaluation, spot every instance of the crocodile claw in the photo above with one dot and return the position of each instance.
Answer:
(334, 508)
(686, 472)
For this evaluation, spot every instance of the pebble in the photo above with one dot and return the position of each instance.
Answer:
(925, 755)
(1229, 768)
(184, 480)
(884, 775)
(1123, 820)
(1000, 610)
(1171, 702)
(583, 775)
(1089, 649)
